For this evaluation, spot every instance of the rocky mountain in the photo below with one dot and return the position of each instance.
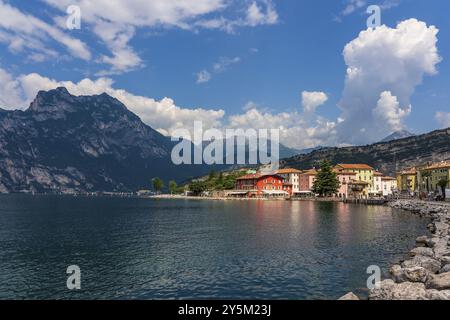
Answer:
(388, 157)
(87, 143)
(397, 135)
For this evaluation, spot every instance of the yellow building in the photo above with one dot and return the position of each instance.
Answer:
(364, 175)
(407, 180)
(431, 175)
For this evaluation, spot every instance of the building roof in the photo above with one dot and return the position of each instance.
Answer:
(250, 177)
(408, 171)
(257, 176)
(340, 172)
(440, 165)
(378, 174)
(357, 182)
(355, 166)
(288, 171)
(387, 178)
(311, 172)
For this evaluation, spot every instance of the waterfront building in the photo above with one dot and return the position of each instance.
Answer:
(364, 176)
(358, 189)
(260, 185)
(307, 179)
(407, 180)
(429, 176)
(377, 185)
(345, 179)
(388, 185)
(291, 176)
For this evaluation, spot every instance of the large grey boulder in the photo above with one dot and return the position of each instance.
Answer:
(445, 260)
(438, 295)
(445, 269)
(428, 263)
(422, 241)
(349, 296)
(389, 290)
(441, 228)
(413, 274)
(427, 252)
(440, 247)
(439, 281)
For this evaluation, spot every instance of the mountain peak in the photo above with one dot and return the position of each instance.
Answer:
(60, 100)
(401, 134)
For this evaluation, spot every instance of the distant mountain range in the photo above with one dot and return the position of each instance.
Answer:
(388, 157)
(398, 135)
(65, 143)
(87, 143)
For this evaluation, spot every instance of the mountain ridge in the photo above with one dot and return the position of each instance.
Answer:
(397, 135)
(387, 157)
(66, 143)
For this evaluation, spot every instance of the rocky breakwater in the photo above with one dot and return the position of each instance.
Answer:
(425, 274)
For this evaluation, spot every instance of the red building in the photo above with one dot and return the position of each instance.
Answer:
(258, 185)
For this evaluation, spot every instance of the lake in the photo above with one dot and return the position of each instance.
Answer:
(187, 249)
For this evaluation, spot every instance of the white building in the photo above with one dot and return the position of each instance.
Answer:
(389, 185)
(377, 184)
(291, 176)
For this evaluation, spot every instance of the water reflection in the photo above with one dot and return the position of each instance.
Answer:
(137, 248)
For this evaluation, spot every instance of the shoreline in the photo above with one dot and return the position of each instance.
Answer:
(425, 272)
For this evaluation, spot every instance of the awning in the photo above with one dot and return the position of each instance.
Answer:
(237, 192)
(272, 192)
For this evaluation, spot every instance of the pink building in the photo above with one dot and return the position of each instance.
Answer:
(307, 180)
(344, 179)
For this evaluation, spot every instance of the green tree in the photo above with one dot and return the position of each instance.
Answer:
(198, 187)
(173, 187)
(212, 175)
(326, 183)
(443, 185)
(158, 184)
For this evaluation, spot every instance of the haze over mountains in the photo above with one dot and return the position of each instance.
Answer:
(65, 143)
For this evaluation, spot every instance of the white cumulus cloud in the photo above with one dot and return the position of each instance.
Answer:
(313, 99)
(24, 31)
(116, 22)
(384, 59)
(389, 113)
(163, 115)
(443, 118)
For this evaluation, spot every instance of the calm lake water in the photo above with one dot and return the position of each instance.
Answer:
(163, 249)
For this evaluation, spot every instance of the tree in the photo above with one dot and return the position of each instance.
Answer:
(443, 185)
(326, 183)
(158, 184)
(220, 178)
(198, 187)
(173, 187)
(212, 175)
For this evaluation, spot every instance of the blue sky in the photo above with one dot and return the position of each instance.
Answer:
(256, 59)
